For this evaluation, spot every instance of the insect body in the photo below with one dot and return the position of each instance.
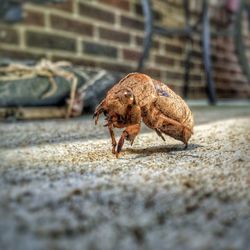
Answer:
(136, 98)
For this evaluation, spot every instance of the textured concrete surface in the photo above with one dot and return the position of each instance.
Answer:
(61, 188)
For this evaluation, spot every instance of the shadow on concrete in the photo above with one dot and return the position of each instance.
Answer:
(67, 131)
(162, 149)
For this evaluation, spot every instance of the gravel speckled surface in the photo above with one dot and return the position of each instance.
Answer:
(61, 187)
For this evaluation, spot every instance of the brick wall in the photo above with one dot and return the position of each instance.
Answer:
(109, 34)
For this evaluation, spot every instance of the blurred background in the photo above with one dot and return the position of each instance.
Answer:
(201, 49)
(60, 185)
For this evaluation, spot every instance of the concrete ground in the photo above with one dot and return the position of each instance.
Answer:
(61, 188)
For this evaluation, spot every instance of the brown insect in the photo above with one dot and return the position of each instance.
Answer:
(138, 97)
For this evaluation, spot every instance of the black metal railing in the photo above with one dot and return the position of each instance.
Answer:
(201, 26)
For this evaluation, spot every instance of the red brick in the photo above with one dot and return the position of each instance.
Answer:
(132, 23)
(139, 11)
(75, 61)
(174, 75)
(34, 18)
(195, 78)
(173, 48)
(96, 13)
(235, 69)
(66, 6)
(114, 35)
(132, 55)
(232, 93)
(222, 78)
(116, 67)
(9, 35)
(121, 4)
(20, 54)
(97, 49)
(71, 25)
(139, 41)
(192, 65)
(197, 92)
(219, 44)
(230, 69)
(164, 60)
(224, 57)
(156, 44)
(50, 41)
(197, 54)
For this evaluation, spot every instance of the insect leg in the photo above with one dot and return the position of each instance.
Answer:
(175, 129)
(99, 109)
(112, 135)
(120, 143)
(160, 134)
(133, 131)
(129, 133)
(186, 135)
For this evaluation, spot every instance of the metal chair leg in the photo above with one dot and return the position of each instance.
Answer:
(206, 50)
(149, 30)
(239, 42)
(148, 23)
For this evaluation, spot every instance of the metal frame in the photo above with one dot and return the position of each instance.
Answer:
(206, 51)
(202, 26)
(239, 44)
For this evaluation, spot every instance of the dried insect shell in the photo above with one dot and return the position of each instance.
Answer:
(139, 97)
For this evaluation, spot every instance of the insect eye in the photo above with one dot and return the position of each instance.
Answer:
(128, 94)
